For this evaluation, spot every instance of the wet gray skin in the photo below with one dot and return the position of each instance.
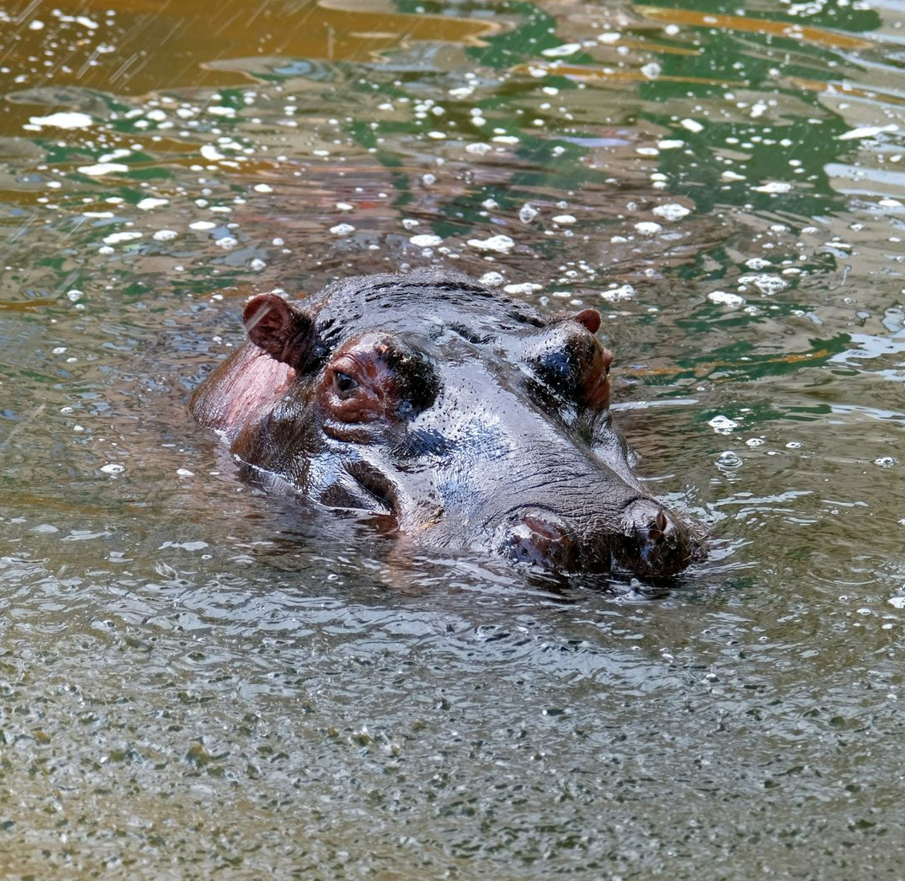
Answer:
(459, 416)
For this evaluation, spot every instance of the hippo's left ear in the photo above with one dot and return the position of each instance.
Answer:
(278, 328)
(590, 318)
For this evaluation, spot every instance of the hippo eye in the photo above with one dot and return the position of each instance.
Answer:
(344, 384)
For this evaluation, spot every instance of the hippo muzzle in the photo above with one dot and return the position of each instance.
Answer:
(463, 416)
(651, 542)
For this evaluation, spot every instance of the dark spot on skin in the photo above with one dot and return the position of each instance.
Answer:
(416, 379)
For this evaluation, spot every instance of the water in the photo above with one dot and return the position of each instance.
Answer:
(194, 681)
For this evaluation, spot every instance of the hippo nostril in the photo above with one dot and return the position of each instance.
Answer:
(656, 543)
(661, 521)
(547, 527)
(658, 527)
(537, 537)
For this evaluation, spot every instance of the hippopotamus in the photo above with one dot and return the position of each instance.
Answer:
(461, 417)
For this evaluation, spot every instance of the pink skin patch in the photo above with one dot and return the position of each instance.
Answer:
(241, 385)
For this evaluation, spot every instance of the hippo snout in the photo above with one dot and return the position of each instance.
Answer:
(656, 543)
(649, 541)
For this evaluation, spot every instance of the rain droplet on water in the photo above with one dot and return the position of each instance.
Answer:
(117, 237)
(766, 284)
(724, 298)
(426, 241)
(561, 51)
(527, 213)
(621, 292)
(149, 203)
(102, 168)
(500, 244)
(722, 424)
(672, 211)
(773, 188)
(62, 120)
(525, 288)
(492, 279)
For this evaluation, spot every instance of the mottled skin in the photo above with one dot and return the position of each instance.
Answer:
(458, 414)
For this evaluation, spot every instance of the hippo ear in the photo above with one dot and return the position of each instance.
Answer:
(590, 318)
(278, 328)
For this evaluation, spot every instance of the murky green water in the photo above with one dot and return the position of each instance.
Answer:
(195, 684)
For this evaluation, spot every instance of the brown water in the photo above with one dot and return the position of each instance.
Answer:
(195, 683)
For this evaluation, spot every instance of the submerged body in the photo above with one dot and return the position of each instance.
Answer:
(460, 415)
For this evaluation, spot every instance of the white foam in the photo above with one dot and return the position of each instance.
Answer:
(69, 119)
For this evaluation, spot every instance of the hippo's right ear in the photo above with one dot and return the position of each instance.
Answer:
(278, 328)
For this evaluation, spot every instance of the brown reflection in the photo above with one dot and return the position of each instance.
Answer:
(658, 47)
(27, 305)
(790, 30)
(840, 88)
(150, 45)
(704, 369)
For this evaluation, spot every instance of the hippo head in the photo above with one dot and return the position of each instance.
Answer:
(458, 414)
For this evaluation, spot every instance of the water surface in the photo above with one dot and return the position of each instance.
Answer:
(195, 682)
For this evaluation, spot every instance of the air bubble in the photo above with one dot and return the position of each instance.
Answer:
(722, 424)
(527, 213)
